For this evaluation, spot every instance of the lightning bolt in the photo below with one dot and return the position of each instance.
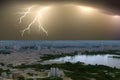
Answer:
(37, 19)
(40, 26)
(25, 14)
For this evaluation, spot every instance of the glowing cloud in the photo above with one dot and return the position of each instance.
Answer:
(116, 16)
(86, 9)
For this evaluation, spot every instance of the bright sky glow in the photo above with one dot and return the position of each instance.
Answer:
(86, 9)
(116, 16)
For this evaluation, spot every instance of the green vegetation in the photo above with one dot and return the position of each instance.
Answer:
(9, 65)
(53, 56)
(101, 52)
(80, 71)
(7, 71)
(29, 47)
(30, 74)
(51, 78)
(5, 52)
(21, 78)
(1, 70)
(118, 57)
(30, 79)
(87, 72)
(2, 64)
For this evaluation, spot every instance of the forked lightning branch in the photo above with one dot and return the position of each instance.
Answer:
(37, 19)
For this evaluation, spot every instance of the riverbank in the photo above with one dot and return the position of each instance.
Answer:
(112, 52)
(117, 57)
(54, 56)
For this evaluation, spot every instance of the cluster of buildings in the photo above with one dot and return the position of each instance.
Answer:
(32, 57)
(57, 46)
(13, 74)
(30, 74)
(19, 58)
(29, 53)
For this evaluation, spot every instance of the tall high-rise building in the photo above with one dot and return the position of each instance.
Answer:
(55, 72)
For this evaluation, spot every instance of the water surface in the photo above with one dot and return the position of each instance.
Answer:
(92, 59)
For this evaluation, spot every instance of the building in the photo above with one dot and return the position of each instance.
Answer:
(15, 75)
(4, 74)
(54, 72)
(2, 78)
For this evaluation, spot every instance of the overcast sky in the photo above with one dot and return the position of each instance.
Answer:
(63, 20)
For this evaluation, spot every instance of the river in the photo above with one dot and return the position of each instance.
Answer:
(91, 59)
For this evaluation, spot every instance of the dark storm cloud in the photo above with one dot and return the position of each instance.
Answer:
(8, 29)
(111, 5)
